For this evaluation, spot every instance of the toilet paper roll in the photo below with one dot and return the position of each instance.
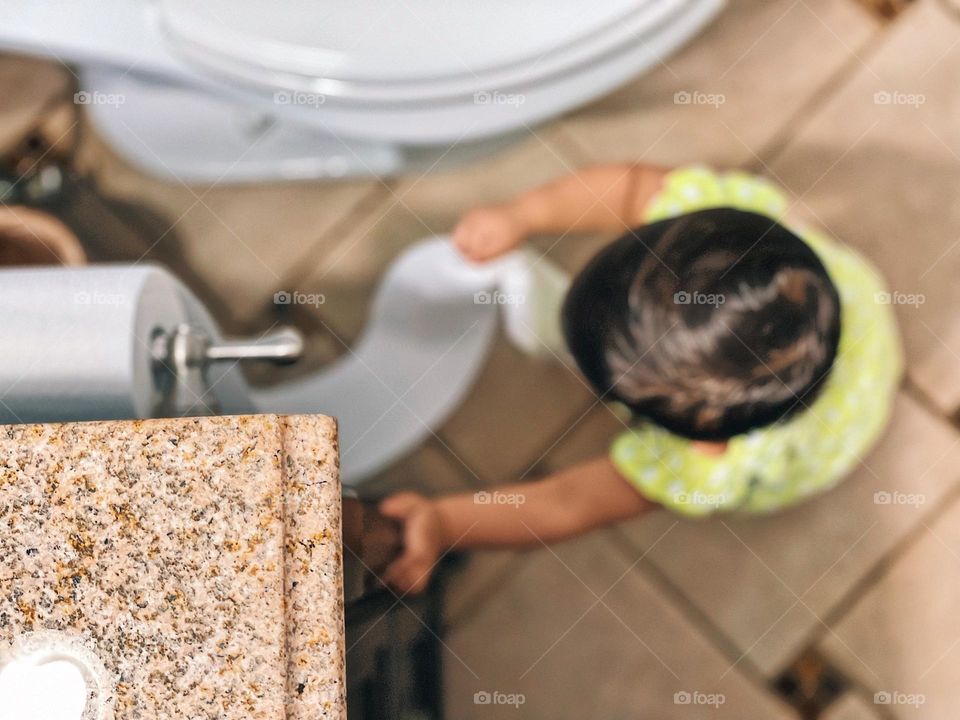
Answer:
(74, 343)
(76, 347)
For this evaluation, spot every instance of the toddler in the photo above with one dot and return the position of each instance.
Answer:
(759, 361)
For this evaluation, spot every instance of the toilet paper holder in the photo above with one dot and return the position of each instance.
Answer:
(182, 357)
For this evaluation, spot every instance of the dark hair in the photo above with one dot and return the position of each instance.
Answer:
(709, 324)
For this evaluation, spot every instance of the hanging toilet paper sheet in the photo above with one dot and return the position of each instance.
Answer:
(432, 321)
(75, 345)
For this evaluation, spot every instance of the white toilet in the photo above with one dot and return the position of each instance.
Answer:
(246, 90)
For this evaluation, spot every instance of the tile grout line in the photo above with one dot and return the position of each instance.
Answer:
(514, 564)
(832, 616)
(882, 567)
(541, 467)
(538, 468)
(364, 207)
(788, 129)
(467, 480)
(567, 146)
(862, 692)
(918, 395)
(679, 600)
(819, 98)
(709, 631)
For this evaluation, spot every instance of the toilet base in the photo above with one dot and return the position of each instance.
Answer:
(208, 138)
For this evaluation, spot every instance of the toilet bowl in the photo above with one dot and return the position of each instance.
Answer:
(234, 91)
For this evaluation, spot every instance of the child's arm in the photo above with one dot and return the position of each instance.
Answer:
(602, 197)
(568, 503)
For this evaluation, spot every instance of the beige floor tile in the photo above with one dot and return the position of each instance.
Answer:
(745, 77)
(571, 252)
(767, 582)
(590, 437)
(850, 707)
(28, 86)
(545, 636)
(243, 242)
(430, 469)
(515, 412)
(879, 167)
(901, 639)
(439, 197)
(479, 577)
(347, 274)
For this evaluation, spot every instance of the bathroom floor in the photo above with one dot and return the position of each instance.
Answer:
(811, 613)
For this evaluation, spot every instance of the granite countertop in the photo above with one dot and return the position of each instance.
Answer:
(197, 560)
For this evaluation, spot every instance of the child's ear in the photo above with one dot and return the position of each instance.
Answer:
(710, 448)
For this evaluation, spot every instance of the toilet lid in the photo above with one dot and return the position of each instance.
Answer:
(337, 46)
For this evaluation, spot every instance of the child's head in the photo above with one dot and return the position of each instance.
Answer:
(708, 324)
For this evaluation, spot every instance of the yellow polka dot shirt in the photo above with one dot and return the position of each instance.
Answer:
(781, 464)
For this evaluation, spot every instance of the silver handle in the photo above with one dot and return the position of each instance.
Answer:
(284, 345)
(181, 359)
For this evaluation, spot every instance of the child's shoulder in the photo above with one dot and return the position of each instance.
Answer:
(697, 187)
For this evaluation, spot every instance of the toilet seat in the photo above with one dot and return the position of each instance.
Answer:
(205, 140)
(306, 51)
(390, 84)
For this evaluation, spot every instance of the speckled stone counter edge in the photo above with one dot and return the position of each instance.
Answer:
(310, 583)
(313, 568)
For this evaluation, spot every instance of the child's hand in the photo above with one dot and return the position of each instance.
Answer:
(486, 232)
(411, 572)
